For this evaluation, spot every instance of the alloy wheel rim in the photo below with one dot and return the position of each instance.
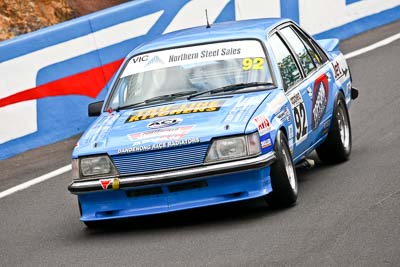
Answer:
(344, 128)
(290, 171)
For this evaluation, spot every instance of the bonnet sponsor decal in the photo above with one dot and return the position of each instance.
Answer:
(164, 134)
(164, 123)
(243, 109)
(178, 109)
(163, 145)
(100, 129)
(320, 100)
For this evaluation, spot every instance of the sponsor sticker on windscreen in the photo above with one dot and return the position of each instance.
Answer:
(251, 50)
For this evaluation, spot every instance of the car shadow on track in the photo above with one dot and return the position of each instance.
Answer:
(211, 216)
(224, 214)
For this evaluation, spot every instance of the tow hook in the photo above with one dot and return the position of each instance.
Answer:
(354, 93)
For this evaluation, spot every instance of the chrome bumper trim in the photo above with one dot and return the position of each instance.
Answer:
(78, 186)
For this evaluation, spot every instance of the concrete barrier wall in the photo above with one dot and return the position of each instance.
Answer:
(48, 77)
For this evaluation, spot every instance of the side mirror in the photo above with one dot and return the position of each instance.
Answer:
(94, 109)
(354, 93)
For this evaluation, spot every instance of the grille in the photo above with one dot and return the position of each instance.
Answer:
(158, 160)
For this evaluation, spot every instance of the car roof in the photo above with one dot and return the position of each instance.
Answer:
(245, 29)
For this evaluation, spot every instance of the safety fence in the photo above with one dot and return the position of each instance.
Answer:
(48, 77)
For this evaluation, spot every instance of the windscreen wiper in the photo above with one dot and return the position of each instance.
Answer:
(231, 87)
(157, 98)
(169, 96)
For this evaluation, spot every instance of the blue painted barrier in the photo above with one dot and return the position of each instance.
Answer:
(48, 77)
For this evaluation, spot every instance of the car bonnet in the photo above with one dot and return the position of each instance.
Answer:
(174, 123)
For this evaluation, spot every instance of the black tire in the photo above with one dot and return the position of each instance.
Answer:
(283, 175)
(337, 146)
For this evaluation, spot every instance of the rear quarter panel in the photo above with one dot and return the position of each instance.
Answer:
(342, 75)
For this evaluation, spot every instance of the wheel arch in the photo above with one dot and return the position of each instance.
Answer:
(274, 133)
(283, 129)
(341, 92)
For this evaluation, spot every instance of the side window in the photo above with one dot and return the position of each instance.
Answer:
(316, 53)
(286, 63)
(307, 62)
(319, 53)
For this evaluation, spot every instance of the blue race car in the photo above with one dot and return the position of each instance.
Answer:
(205, 116)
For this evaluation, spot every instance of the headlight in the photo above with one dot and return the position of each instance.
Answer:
(99, 165)
(234, 147)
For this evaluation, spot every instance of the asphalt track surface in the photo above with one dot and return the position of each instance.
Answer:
(347, 214)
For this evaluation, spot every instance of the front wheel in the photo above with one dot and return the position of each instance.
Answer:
(283, 175)
(337, 146)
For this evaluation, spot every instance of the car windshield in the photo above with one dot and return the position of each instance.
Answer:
(184, 71)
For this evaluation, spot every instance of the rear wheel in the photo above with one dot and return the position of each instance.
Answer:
(283, 175)
(337, 146)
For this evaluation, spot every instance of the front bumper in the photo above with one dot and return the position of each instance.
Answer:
(77, 186)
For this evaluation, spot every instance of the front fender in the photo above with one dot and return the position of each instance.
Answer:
(272, 115)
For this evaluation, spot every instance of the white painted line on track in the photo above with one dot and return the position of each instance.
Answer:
(376, 45)
(37, 180)
(67, 168)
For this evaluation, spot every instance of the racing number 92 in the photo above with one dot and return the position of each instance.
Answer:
(300, 119)
(253, 63)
